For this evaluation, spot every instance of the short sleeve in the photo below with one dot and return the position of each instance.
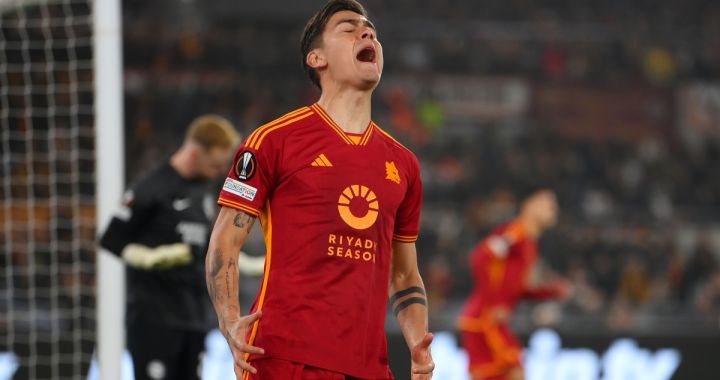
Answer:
(250, 180)
(407, 221)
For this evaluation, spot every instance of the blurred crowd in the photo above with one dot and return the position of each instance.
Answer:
(609, 42)
(637, 236)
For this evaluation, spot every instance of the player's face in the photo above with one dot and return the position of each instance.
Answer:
(547, 208)
(351, 51)
(213, 163)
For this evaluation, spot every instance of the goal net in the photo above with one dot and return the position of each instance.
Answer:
(47, 189)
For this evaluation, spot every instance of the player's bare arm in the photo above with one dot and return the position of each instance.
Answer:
(229, 234)
(409, 303)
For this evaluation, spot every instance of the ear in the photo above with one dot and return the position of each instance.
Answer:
(316, 59)
(194, 152)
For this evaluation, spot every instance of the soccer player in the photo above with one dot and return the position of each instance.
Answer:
(339, 203)
(161, 233)
(501, 266)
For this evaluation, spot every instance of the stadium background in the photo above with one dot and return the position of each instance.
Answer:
(614, 103)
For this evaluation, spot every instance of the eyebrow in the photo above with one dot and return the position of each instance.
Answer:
(357, 22)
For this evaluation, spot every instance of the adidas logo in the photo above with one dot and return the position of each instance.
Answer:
(322, 162)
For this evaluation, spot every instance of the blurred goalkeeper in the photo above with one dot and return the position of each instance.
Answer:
(501, 265)
(161, 233)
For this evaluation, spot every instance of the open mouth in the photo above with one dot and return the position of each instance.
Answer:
(366, 55)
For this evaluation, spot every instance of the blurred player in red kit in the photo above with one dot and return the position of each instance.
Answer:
(339, 203)
(502, 264)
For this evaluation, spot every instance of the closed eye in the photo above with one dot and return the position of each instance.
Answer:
(355, 23)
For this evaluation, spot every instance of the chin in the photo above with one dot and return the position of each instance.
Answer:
(368, 86)
(369, 82)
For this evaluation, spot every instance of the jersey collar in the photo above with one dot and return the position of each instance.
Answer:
(364, 139)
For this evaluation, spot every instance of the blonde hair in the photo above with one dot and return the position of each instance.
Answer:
(210, 131)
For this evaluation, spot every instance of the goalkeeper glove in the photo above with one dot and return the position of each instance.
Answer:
(251, 265)
(161, 257)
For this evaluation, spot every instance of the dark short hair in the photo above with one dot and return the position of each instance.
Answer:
(316, 25)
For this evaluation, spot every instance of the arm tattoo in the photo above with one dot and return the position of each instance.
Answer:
(420, 298)
(410, 301)
(413, 289)
(215, 266)
(242, 220)
(230, 271)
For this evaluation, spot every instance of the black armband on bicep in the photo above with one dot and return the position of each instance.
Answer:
(410, 301)
(419, 299)
(408, 291)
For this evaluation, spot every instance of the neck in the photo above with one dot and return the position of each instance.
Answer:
(181, 161)
(349, 108)
(531, 227)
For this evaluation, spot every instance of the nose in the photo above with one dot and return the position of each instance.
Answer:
(367, 33)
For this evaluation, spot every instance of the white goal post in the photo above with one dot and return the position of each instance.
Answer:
(110, 182)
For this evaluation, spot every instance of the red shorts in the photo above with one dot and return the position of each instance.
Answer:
(277, 369)
(492, 352)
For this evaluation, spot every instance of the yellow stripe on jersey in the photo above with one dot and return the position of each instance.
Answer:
(331, 123)
(257, 131)
(322, 161)
(261, 136)
(325, 160)
(476, 324)
(253, 136)
(405, 239)
(266, 221)
(367, 135)
(238, 206)
(391, 138)
(350, 139)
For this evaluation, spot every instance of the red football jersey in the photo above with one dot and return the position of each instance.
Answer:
(330, 204)
(501, 264)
